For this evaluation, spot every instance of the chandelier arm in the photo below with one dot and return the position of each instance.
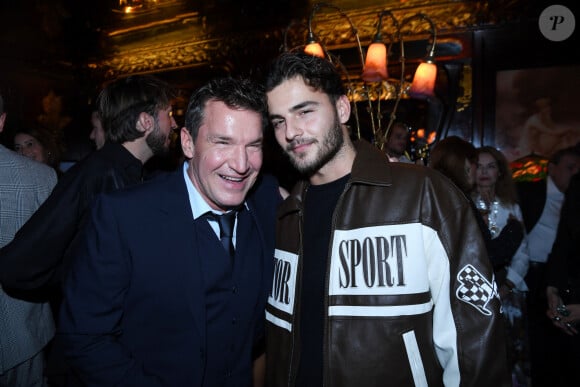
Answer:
(310, 37)
(316, 7)
(353, 29)
(380, 139)
(432, 30)
(400, 91)
(430, 51)
(291, 25)
(393, 115)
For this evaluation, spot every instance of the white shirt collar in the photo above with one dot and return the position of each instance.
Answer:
(552, 190)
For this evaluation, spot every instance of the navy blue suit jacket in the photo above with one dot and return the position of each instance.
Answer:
(134, 308)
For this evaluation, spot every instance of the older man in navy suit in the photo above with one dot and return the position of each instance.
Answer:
(25, 327)
(153, 298)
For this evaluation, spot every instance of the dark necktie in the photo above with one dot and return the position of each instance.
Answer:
(226, 222)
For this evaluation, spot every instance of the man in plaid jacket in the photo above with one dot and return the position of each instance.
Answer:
(25, 327)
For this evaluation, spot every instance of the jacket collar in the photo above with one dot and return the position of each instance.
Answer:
(175, 210)
(123, 160)
(366, 169)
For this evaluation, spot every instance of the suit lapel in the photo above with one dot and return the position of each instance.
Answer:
(176, 209)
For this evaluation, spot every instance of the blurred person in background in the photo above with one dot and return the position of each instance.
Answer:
(563, 290)
(37, 143)
(541, 202)
(97, 135)
(496, 198)
(397, 141)
(26, 324)
(136, 112)
(457, 159)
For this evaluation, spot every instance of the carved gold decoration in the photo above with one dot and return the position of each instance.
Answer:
(466, 83)
(335, 33)
(159, 57)
(193, 46)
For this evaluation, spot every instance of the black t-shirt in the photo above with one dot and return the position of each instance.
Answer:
(320, 202)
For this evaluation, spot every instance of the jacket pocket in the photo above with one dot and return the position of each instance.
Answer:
(414, 357)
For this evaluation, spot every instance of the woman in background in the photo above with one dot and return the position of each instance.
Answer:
(38, 144)
(457, 159)
(495, 196)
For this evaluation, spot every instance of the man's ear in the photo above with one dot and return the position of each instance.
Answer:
(187, 145)
(2, 120)
(343, 108)
(145, 123)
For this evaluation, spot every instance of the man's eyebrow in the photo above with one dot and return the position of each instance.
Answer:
(295, 108)
(304, 104)
(218, 137)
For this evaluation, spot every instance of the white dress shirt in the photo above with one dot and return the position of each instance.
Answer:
(542, 236)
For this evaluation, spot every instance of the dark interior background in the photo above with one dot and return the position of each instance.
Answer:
(69, 49)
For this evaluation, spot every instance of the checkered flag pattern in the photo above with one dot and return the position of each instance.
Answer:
(475, 289)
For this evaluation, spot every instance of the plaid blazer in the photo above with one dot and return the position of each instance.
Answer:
(25, 327)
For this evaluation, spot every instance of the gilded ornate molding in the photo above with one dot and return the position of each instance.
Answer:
(160, 57)
(466, 88)
(193, 46)
(335, 31)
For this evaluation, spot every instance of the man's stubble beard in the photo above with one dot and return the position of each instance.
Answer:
(156, 141)
(331, 144)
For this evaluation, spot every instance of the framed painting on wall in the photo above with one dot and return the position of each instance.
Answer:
(536, 110)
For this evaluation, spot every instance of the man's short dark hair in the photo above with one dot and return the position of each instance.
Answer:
(448, 157)
(316, 72)
(121, 102)
(398, 124)
(569, 151)
(236, 93)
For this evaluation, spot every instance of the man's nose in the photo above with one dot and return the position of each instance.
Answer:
(239, 159)
(293, 129)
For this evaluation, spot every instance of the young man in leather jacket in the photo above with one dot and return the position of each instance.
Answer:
(381, 275)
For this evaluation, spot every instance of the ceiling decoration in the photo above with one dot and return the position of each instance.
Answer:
(188, 39)
(99, 40)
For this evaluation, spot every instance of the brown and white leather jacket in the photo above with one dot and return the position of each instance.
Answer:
(410, 295)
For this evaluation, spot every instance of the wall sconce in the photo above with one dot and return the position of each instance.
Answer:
(375, 69)
(315, 48)
(312, 46)
(424, 80)
(376, 83)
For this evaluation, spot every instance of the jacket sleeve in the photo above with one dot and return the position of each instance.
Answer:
(502, 248)
(520, 261)
(562, 261)
(94, 296)
(473, 348)
(35, 254)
